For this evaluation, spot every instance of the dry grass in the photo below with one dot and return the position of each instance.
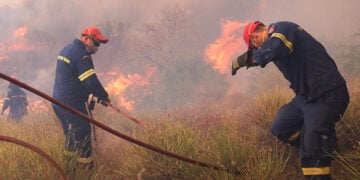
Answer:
(237, 139)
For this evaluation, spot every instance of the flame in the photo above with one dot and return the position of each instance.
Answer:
(3, 57)
(221, 52)
(17, 42)
(124, 86)
(1, 102)
(20, 32)
(38, 105)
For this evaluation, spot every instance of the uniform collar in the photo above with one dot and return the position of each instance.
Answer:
(79, 43)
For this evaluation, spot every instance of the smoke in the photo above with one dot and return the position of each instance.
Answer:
(56, 23)
(330, 20)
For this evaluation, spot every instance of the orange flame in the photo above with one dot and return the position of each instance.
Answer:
(221, 52)
(38, 105)
(17, 42)
(20, 32)
(123, 84)
(3, 57)
(1, 102)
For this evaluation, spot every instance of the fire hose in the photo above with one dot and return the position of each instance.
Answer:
(126, 115)
(37, 150)
(116, 133)
(117, 110)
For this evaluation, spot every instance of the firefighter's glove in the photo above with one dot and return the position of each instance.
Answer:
(105, 102)
(241, 61)
(238, 63)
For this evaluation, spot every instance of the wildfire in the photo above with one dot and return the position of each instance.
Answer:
(38, 105)
(20, 32)
(1, 102)
(221, 52)
(3, 57)
(17, 42)
(120, 87)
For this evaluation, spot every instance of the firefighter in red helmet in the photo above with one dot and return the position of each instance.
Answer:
(321, 96)
(75, 80)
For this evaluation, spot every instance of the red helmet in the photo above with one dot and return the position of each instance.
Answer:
(248, 30)
(95, 32)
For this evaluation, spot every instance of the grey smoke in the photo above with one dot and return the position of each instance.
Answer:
(59, 21)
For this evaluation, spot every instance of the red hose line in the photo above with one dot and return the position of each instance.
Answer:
(114, 132)
(126, 115)
(37, 150)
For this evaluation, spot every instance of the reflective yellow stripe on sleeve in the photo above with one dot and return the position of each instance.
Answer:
(287, 43)
(316, 171)
(62, 58)
(86, 74)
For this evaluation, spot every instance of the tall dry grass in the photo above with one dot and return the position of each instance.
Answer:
(348, 157)
(17, 162)
(237, 138)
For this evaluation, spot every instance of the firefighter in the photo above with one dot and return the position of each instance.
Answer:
(75, 80)
(17, 102)
(321, 96)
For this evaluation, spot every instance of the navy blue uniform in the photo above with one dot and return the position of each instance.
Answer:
(308, 121)
(75, 79)
(16, 101)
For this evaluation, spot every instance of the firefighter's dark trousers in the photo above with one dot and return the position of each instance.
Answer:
(78, 149)
(310, 126)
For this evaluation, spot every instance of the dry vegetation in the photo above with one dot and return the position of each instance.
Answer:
(223, 133)
(236, 138)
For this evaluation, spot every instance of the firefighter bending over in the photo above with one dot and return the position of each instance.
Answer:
(17, 102)
(75, 79)
(321, 96)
